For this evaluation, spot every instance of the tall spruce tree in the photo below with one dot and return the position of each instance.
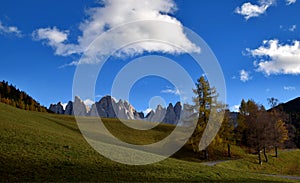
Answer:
(206, 97)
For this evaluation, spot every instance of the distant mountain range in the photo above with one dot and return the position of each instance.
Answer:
(108, 107)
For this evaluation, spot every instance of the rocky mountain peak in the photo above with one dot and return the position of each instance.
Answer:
(57, 108)
(107, 107)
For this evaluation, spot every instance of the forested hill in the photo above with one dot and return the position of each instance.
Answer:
(292, 109)
(10, 95)
(291, 106)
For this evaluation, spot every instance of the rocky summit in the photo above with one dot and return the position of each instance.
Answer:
(57, 108)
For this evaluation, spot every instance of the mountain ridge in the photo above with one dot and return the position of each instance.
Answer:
(108, 107)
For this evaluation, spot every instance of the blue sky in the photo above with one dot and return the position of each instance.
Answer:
(256, 43)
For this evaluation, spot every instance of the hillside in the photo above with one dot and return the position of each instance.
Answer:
(291, 106)
(292, 109)
(46, 147)
(10, 95)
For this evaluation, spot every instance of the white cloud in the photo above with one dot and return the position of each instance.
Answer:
(289, 2)
(88, 102)
(52, 34)
(174, 91)
(281, 26)
(55, 38)
(276, 58)
(289, 88)
(293, 28)
(10, 30)
(235, 108)
(249, 10)
(114, 13)
(244, 75)
(98, 96)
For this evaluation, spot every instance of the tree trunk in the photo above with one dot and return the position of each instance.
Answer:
(229, 151)
(265, 154)
(276, 151)
(259, 157)
(206, 154)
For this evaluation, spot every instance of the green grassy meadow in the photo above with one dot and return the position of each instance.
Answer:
(287, 163)
(46, 147)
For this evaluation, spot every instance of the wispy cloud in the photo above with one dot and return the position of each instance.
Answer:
(276, 58)
(289, 88)
(289, 2)
(113, 13)
(56, 39)
(174, 91)
(293, 28)
(9, 30)
(52, 34)
(98, 96)
(244, 75)
(249, 10)
(290, 28)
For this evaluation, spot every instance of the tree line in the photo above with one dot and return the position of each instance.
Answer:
(10, 95)
(255, 128)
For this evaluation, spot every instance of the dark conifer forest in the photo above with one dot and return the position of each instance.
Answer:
(10, 95)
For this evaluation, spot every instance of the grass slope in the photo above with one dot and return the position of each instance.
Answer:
(45, 147)
(288, 163)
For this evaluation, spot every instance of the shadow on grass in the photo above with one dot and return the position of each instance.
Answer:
(28, 170)
(74, 129)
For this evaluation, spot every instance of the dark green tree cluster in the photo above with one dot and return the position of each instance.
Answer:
(10, 95)
(260, 129)
(292, 109)
(256, 128)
